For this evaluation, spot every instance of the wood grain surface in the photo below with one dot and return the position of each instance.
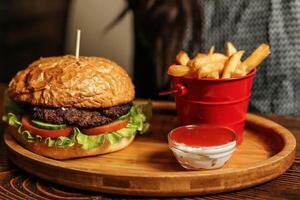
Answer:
(17, 184)
(148, 168)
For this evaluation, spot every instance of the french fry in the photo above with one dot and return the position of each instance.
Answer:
(178, 70)
(215, 66)
(199, 61)
(209, 68)
(257, 56)
(241, 70)
(241, 66)
(182, 58)
(214, 75)
(232, 63)
(218, 57)
(203, 72)
(230, 49)
(211, 50)
(200, 55)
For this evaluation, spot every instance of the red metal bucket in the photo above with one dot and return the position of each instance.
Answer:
(214, 101)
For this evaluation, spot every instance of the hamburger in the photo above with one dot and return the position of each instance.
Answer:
(63, 108)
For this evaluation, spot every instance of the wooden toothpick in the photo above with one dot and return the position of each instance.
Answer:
(78, 44)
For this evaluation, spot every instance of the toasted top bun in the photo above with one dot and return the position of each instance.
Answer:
(91, 82)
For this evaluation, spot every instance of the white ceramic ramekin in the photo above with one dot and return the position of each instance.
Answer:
(202, 157)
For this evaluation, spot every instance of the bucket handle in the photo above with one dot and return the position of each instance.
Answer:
(179, 90)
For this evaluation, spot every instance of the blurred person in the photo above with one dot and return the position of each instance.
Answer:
(163, 28)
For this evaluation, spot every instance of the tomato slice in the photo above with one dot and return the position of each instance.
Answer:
(44, 132)
(114, 126)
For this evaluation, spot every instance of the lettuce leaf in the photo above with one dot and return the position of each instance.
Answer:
(127, 131)
(88, 141)
(12, 120)
(136, 123)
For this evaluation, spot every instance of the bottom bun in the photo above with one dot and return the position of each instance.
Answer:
(74, 151)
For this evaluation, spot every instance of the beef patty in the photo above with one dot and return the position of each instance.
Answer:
(83, 118)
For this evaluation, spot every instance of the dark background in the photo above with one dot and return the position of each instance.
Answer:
(29, 29)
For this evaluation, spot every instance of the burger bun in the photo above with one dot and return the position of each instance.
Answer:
(64, 81)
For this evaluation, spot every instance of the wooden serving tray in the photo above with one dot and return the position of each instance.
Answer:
(147, 167)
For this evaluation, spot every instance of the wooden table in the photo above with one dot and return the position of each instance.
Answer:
(17, 184)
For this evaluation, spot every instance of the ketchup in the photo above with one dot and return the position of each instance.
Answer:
(202, 135)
